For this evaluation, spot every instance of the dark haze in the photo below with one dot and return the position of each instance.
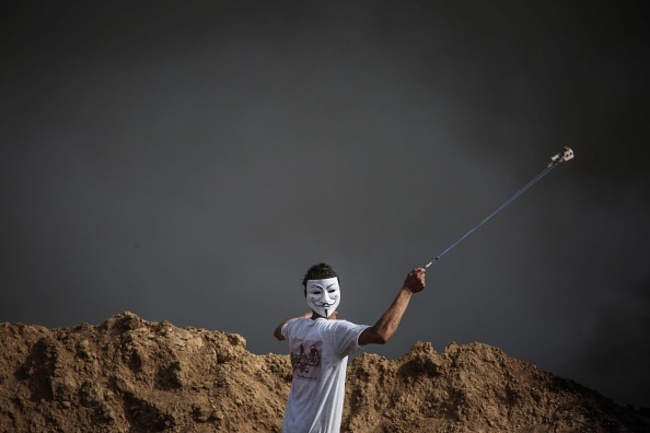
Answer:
(189, 161)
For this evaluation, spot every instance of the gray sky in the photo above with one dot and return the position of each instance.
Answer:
(189, 161)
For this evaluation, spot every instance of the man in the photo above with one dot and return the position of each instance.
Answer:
(320, 344)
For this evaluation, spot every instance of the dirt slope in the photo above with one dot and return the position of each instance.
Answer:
(131, 375)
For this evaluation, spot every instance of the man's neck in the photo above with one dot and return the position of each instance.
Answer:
(315, 316)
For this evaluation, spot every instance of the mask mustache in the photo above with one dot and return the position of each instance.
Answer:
(323, 304)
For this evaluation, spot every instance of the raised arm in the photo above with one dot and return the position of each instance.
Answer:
(387, 324)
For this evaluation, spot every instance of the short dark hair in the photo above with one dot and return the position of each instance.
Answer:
(320, 271)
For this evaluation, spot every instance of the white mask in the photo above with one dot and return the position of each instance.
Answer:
(323, 296)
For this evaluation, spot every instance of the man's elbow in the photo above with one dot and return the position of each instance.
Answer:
(383, 338)
(373, 337)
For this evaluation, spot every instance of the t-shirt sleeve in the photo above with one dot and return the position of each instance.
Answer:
(347, 337)
(286, 329)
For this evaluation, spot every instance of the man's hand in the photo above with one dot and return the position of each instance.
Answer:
(415, 280)
(387, 324)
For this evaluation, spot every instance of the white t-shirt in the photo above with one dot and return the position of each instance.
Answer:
(319, 358)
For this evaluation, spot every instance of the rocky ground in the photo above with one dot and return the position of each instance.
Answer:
(131, 375)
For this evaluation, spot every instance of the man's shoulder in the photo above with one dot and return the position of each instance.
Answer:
(343, 324)
(297, 322)
(320, 323)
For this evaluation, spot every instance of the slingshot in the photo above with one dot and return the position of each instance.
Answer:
(564, 155)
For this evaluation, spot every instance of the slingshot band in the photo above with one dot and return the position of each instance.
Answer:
(564, 155)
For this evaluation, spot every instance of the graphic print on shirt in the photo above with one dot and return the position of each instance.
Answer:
(306, 356)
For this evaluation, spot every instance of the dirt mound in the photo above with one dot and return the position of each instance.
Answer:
(131, 375)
